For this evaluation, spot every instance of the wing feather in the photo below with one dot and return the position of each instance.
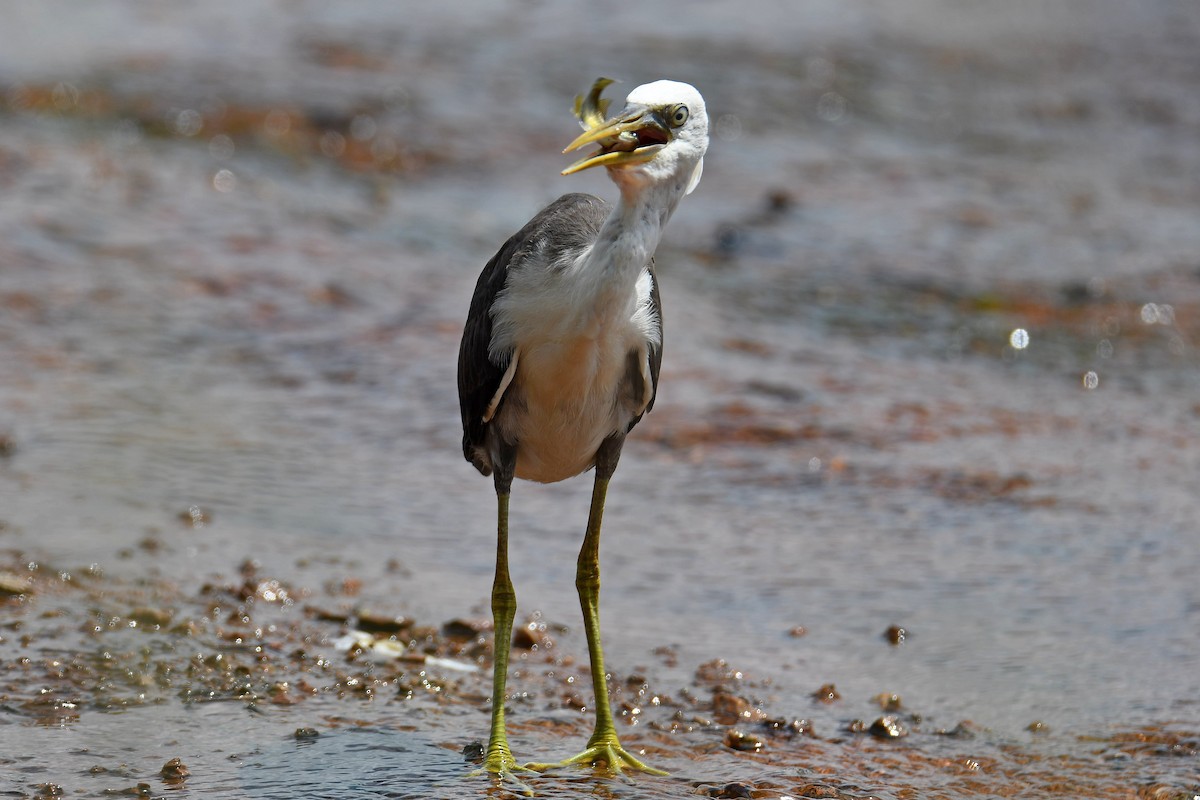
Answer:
(654, 350)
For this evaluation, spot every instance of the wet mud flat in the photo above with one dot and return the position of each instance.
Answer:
(247, 683)
(931, 365)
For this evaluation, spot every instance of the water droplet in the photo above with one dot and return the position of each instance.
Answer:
(728, 127)
(1019, 339)
(196, 516)
(187, 122)
(333, 144)
(1090, 380)
(814, 464)
(1158, 314)
(224, 181)
(831, 107)
(1104, 349)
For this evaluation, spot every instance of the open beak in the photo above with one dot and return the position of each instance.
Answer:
(632, 137)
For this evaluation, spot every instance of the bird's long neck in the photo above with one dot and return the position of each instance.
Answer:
(630, 235)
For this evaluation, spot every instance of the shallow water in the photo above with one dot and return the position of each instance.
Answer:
(237, 244)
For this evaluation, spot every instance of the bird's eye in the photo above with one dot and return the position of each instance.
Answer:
(679, 115)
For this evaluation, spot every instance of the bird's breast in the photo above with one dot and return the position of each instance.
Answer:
(572, 342)
(566, 401)
(572, 375)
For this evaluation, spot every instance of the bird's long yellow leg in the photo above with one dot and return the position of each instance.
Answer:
(499, 759)
(603, 746)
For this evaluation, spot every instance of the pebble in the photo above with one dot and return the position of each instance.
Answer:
(175, 771)
(888, 727)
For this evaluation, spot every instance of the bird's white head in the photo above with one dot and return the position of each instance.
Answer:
(658, 139)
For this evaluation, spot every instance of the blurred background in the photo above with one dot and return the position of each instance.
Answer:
(932, 327)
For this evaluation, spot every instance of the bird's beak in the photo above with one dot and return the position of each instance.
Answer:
(632, 137)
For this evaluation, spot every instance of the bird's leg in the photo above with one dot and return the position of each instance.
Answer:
(603, 745)
(499, 759)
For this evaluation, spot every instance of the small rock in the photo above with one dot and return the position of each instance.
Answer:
(527, 637)
(151, 617)
(895, 634)
(473, 752)
(780, 201)
(888, 727)
(195, 517)
(963, 730)
(975, 217)
(889, 702)
(729, 709)
(788, 729)
(174, 771)
(14, 585)
(731, 790)
(381, 623)
(306, 734)
(670, 656)
(573, 700)
(326, 615)
(150, 543)
(717, 671)
(745, 742)
(463, 629)
(332, 294)
(828, 693)
(798, 631)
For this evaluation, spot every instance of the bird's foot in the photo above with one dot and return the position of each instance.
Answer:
(608, 752)
(503, 769)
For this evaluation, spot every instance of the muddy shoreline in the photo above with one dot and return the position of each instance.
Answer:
(268, 661)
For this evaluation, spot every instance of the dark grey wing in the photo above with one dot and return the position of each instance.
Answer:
(634, 370)
(655, 351)
(478, 376)
(565, 227)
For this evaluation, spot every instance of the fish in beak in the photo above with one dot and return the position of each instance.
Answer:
(632, 137)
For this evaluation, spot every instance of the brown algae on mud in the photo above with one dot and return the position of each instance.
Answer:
(84, 649)
(296, 132)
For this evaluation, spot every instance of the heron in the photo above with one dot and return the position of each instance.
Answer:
(561, 352)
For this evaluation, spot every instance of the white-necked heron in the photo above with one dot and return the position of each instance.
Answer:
(562, 347)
